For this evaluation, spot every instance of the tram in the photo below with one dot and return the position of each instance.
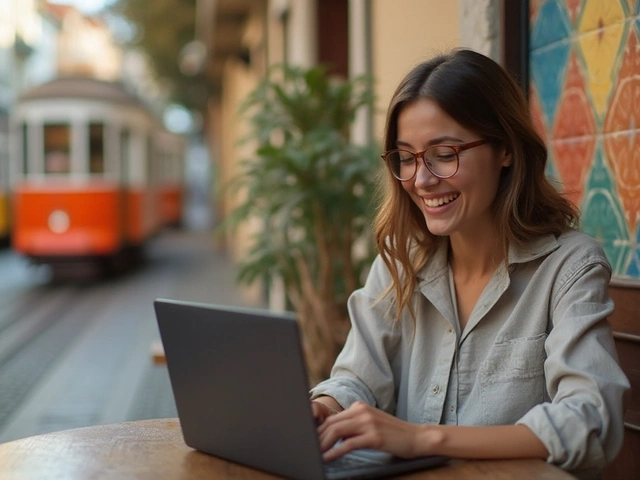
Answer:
(88, 174)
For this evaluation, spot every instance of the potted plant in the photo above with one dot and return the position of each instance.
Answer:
(313, 189)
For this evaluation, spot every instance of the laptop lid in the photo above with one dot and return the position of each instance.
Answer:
(240, 387)
(241, 390)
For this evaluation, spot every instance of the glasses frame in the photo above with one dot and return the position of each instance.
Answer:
(457, 148)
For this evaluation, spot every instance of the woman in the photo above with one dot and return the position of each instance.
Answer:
(482, 330)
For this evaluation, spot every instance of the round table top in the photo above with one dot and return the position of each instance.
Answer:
(155, 449)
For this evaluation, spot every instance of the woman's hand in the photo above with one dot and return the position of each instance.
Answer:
(363, 426)
(321, 411)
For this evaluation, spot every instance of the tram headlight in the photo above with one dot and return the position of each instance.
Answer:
(58, 221)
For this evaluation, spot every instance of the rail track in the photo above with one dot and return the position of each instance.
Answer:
(77, 353)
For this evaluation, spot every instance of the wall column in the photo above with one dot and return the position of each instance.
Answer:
(359, 63)
(480, 26)
(302, 41)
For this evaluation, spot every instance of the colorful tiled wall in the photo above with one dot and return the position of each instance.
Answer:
(585, 98)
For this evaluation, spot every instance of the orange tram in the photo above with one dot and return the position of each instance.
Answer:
(93, 176)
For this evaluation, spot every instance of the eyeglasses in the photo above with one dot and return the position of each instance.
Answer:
(441, 160)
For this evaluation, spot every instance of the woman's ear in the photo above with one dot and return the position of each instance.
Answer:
(507, 158)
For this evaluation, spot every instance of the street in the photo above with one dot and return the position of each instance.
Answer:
(79, 354)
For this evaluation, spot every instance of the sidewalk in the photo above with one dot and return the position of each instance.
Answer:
(102, 370)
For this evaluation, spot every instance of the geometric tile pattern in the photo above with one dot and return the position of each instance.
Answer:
(584, 63)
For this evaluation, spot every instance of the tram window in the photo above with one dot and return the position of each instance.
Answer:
(57, 141)
(96, 148)
(125, 145)
(25, 149)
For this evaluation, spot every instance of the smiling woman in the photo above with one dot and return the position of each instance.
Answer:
(482, 330)
(460, 205)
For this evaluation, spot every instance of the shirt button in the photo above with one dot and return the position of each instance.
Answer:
(450, 330)
(452, 409)
(435, 390)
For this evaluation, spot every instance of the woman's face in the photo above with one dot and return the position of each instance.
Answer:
(461, 204)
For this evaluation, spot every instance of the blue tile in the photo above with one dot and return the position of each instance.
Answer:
(602, 215)
(551, 24)
(634, 265)
(634, 261)
(550, 168)
(548, 69)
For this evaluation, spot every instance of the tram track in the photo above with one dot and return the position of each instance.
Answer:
(42, 323)
(30, 346)
(36, 311)
(77, 354)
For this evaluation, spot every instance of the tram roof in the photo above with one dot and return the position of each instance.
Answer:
(82, 87)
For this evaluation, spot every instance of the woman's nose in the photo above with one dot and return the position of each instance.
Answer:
(424, 177)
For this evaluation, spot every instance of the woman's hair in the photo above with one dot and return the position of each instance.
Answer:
(482, 97)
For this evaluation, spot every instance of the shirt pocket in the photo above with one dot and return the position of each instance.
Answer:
(512, 379)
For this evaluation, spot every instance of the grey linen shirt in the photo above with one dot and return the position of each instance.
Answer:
(537, 350)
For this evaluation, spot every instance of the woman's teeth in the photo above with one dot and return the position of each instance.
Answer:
(436, 202)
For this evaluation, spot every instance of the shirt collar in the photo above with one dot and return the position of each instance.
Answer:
(537, 247)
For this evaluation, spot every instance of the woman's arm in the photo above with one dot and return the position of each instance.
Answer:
(362, 426)
(582, 427)
(504, 441)
(363, 370)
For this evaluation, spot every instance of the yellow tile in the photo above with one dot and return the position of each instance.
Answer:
(600, 52)
(598, 14)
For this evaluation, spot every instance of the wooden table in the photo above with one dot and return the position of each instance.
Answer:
(154, 449)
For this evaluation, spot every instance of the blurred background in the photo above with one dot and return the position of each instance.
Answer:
(120, 134)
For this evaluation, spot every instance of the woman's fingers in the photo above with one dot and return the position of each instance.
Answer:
(349, 425)
(362, 426)
(344, 447)
(321, 412)
(318, 412)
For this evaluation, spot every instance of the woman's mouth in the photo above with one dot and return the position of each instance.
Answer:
(439, 201)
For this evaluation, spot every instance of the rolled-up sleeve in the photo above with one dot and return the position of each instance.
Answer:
(582, 426)
(363, 369)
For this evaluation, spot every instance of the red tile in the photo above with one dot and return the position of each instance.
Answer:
(622, 134)
(575, 117)
(533, 10)
(573, 159)
(573, 6)
(623, 113)
(536, 113)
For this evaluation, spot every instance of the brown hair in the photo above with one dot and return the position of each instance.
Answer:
(482, 97)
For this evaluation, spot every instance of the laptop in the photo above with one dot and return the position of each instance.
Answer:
(241, 390)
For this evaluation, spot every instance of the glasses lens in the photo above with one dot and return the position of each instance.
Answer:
(402, 164)
(442, 160)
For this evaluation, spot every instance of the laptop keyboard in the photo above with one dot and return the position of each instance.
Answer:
(349, 462)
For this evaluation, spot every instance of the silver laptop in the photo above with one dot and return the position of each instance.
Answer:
(241, 390)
